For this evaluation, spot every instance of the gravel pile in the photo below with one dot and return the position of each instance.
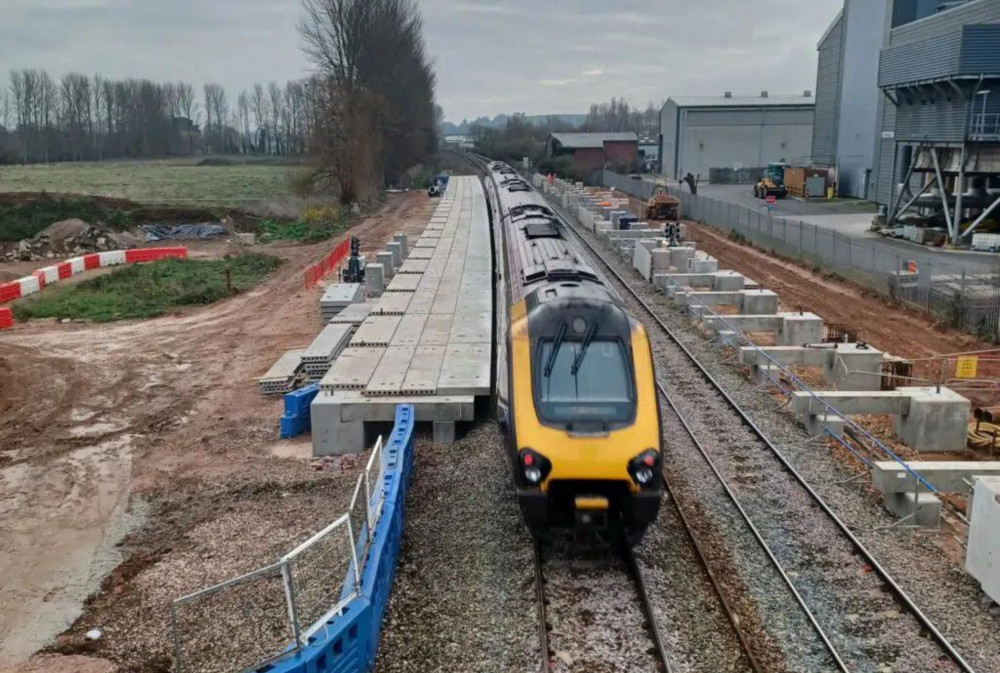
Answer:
(866, 625)
(594, 613)
(464, 594)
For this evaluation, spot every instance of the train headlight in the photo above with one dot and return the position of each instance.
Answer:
(534, 466)
(644, 468)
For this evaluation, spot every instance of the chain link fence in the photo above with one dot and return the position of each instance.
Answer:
(961, 298)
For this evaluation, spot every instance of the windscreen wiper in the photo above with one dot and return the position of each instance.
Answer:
(550, 363)
(583, 349)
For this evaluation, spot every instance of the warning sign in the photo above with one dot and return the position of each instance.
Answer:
(966, 367)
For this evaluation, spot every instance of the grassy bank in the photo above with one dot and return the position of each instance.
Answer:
(25, 219)
(149, 290)
(164, 182)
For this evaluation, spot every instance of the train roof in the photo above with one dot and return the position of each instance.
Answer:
(537, 245)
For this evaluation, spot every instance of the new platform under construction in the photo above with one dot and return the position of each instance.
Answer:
(428, 341)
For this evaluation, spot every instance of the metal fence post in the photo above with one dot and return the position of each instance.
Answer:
(286, 576)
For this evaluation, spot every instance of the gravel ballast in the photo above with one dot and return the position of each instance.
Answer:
(464, 594)
(867, 626)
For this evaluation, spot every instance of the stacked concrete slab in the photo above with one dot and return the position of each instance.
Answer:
(427, 340)
(317, 358)
(337, 297)
(284, 375)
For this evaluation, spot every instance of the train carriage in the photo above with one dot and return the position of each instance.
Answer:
(576, 395)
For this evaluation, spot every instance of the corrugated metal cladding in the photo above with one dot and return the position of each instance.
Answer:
(886, 153)
(748, 117)
(828, 95)
(978, 11)
(927, 59)
(668, 139)
(940, 121)
(980, 48)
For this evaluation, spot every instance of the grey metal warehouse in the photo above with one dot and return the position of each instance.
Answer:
(735, 132)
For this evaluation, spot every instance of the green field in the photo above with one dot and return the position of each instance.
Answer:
(180, 182)
(149, 290)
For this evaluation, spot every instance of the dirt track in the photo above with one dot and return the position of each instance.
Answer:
(126, 440)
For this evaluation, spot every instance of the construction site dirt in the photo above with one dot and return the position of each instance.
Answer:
(138, 462)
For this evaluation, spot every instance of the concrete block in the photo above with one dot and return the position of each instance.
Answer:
(759, 302)
(331, 436)
(727, 339)
(821, 423)
(728, 281)
(703, 265)
(848, 366)
(923, 509)
(388, 268)
(800, 328)
(445, 432)
(982, 556)
(403, 243)
(642, 260)
(397, 251)
(947, 476)
(680, 256)
(374, 280)
(660, 259)
(937, 420)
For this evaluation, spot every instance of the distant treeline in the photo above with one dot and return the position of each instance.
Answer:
(81, 118)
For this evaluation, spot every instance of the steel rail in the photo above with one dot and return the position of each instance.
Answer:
(639, 581)
(879, 569)
(543, 620)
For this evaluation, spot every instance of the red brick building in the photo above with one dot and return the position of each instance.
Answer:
(592, 151)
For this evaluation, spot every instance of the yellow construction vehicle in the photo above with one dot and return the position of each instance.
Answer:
(661, 206)
(773, 182)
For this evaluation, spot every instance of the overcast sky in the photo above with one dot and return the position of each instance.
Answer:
(491, 56)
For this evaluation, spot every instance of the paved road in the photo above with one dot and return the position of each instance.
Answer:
(852, 219)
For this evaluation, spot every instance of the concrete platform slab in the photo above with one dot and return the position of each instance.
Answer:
(424, 371)
(354, 314)
(410, 329)
(393, 303)
(437, 329)
(466, 370)
(377, 330)
(471, 328)
(404, 282)
(423, 298)
(391, 371)
(421, 253)
(413, 266)
(352, 369)
(328, 344)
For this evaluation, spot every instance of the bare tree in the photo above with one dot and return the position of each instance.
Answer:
(375, 95)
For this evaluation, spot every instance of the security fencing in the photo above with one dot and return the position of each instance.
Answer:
(962, 298)
(281, 607)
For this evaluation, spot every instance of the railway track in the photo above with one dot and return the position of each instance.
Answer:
(593, 609)
(830, 575)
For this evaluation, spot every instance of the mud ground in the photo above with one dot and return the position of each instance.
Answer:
(138, 462)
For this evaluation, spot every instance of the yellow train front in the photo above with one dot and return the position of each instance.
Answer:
(576, 395)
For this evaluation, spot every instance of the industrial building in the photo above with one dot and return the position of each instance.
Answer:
(698, 134)
(847, 107)
(908, 109)
(595, 150)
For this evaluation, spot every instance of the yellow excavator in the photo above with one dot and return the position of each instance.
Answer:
(663, 207)
(773, 182)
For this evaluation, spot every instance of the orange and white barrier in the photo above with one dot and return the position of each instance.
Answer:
(37, 281)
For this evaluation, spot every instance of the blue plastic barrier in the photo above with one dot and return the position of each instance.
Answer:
(298, 417)
(350, 644)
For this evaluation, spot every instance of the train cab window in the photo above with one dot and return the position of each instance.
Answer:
(585, 381)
